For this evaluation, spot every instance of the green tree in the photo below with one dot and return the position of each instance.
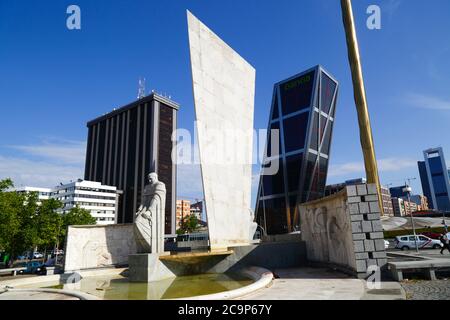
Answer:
(9, 221)
(189, 224)
(5, 184)
(27, 236)
(25, 225)
(17, 213)
(48, 223)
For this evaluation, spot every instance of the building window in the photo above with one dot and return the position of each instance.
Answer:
(295, 132)
(296, 94)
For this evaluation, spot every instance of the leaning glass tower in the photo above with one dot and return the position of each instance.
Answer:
(303, 109)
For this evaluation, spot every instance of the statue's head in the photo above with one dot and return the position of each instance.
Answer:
(152, 177)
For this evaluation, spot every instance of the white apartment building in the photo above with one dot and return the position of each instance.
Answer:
(100, 200)
(403, 207)
(43, 193)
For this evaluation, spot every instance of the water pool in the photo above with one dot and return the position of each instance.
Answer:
(119, 288)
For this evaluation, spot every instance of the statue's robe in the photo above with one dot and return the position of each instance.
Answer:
(149, 222)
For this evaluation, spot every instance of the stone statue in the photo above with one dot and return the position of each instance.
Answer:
(149, 221)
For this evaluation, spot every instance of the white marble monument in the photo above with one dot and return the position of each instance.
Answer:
(224, 89)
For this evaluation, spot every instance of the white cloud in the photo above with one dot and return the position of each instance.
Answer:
(65, 151)
(189, 182)
(44, 164)
(427, 102)
(384, 165)
(26, 172)
(346, 168)
(396, 164)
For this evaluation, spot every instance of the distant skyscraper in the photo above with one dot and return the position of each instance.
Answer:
(397, 192)
(435, 179)
(421, 201)
(127, 144)
(425, 183)
(303, 109)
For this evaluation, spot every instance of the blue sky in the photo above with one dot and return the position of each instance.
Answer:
(53, 80)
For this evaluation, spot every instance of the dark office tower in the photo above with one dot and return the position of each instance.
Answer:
(303, 109)
(425, 183)
(436, 178)
(398, 192)
(127, 144)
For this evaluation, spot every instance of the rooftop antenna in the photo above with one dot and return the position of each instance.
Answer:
(141, 91)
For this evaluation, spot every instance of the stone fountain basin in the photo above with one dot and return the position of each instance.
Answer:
(261, 278)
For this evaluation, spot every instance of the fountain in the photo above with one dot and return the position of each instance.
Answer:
(94, 255)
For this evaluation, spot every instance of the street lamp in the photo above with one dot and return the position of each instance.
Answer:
(408, 190)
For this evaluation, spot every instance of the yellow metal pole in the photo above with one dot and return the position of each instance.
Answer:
(365, 130)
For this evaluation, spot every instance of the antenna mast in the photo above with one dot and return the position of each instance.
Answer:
(141, 90)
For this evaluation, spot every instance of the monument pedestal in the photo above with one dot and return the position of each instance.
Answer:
(147, 267)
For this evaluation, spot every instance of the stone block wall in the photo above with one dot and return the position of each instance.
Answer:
(367, 231)
(89, 247)
(345, 229)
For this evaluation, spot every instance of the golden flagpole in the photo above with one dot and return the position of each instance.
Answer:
(365, 130)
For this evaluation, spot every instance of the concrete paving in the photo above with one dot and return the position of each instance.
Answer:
(423, 253)
(394, 223)
(32, 295)
(323, 284)
(388, 290)
(19, 276)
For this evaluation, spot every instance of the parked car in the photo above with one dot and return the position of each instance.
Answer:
(432, 235)
(408, 242)
(37, 255)
(33, 267)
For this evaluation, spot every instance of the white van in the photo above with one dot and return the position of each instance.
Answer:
(408, 242)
